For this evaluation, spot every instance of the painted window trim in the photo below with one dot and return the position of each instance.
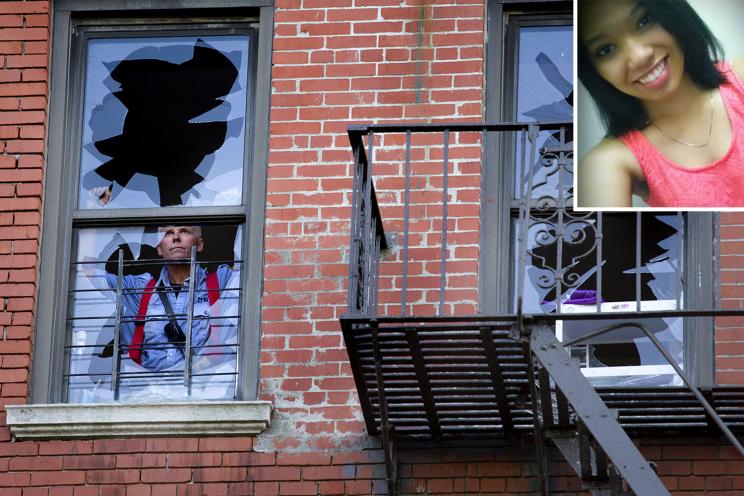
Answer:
(99, 420)
(46, 387)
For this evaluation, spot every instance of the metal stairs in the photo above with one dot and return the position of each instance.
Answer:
(588, 434)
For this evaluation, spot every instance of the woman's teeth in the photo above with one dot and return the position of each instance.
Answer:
(654, 75)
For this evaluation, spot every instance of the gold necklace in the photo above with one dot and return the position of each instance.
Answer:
(710, 129)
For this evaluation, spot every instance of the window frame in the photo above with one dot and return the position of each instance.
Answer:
(62, 172)
(496, 249)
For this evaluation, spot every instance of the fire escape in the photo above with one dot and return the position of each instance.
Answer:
(427, 370)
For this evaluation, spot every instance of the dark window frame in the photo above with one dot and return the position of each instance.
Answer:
(496, 262)
(62, 174)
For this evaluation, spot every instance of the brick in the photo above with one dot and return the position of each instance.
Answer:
(30, 161)
(21, 117)
(25, 7)
(112, 491)
(161, 475)
(66, 447)
(330, 487)
(27, 218)
(141, 460)
(94, 462)
(23, 61)
(35, 75)
(14, 34)
(37, 20)
(11, 131)
(221, 474)
(19, 232)
(127, 476)
(25, 146)
(28, 189)
(329, 473)
(249, 459)
(172, 444)
(15, 479)
(18, 290)
(194, 459)
(36, 491)
(14, 89)
(36, 46)
(264, 489)
(21, 175)
(273, 473)
(298, 488)
(34, 102)
(358, 487)
(225, 444)
(10, 48)
(119, 445)
(10, 103)
(11, 21)
(16, 347)
(57, 478)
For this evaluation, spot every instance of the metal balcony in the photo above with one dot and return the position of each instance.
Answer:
(430, 363)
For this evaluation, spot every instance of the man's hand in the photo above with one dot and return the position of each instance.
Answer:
(103, 193)
(201, 365)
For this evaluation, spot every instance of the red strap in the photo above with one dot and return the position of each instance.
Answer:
(135, 348)
(213, 293)
(213, 288)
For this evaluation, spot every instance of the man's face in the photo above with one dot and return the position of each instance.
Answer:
(177, 242)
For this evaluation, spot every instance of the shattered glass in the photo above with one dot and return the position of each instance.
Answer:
(164, 122)
(91, 325)
(632, 355)
(544, 94)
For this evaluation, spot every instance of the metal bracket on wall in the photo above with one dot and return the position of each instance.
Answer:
(389, 446)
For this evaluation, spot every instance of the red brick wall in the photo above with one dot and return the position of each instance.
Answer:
(730, 330)
(228, 466)
(24, 54)
(338, 62)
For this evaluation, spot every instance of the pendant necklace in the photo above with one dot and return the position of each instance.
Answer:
(676, 140)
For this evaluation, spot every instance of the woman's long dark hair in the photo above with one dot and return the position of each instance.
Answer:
(622, 113)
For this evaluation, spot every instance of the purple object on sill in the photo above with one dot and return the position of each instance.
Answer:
(582, 297)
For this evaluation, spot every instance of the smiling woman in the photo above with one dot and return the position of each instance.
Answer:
(674, 116)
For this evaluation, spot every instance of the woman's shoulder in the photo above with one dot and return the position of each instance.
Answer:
(607, 174)
(611, 152)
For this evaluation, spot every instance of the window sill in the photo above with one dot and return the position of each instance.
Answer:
(96, 420)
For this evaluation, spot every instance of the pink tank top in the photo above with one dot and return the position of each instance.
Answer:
(719, 184)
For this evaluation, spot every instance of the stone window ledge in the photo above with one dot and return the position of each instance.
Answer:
(96, 420)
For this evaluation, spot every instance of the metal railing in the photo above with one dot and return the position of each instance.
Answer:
(102, 324)
(408, 198)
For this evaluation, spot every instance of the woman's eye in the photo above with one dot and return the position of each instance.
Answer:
(604, 50)
(644, 21)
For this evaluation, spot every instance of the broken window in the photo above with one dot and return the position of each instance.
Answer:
(177, 318)
(637, 260)
(154, 183)
(544, 93)
(164, 122)
(539, 65)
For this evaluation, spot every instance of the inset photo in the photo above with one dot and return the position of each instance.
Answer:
(660, 105)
